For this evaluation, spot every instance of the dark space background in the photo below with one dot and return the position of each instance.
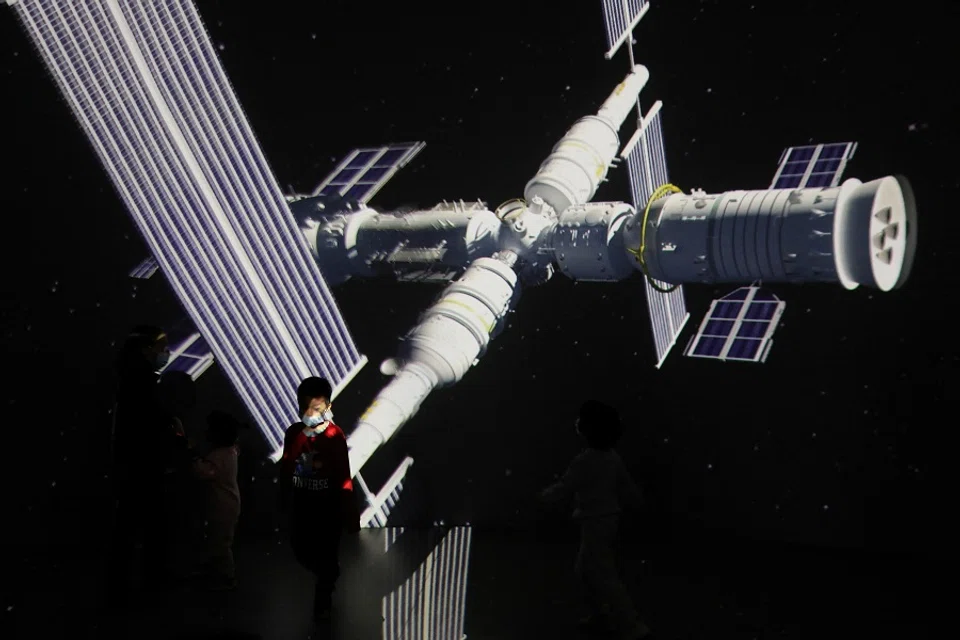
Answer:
(827, 449)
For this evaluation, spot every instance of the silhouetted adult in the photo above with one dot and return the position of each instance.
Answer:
(146, 445)
(178, 397)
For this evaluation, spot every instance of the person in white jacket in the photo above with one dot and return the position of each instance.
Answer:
(601, 488)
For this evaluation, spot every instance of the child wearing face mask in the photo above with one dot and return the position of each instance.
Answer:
(317, 490)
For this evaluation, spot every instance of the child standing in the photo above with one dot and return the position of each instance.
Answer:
(219, 470)
(318, 490)
(600, 485)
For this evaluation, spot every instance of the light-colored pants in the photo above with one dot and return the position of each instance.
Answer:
(221, 526)
(596, 567)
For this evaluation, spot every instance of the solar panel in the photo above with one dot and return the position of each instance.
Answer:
(647, 169)
(739, 326)
(818, 165)
(646, 158)
(145, 269)
(380, 506)
(191, 355)
(620, 17)
(431, 603)
(363, 172)
(145, 84)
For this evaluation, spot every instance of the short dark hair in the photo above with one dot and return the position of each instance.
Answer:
(600, 424)
(311, 389)
(222, 428)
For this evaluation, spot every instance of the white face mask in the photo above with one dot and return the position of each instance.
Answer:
(314, 421)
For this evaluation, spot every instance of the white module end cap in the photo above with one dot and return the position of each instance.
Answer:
(875, 233)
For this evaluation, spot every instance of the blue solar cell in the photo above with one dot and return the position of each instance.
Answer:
(726, 309)
(801, 154)
(739, 294)
(710, 347)
(373, 174)
(760, 310)
(833, 150)
(362, 159)
(744, 349)
(787, 182)
(345, 176)
(820, 180)
(357, 192)
(795, 168)
(752, 329)
(763, 294)
(392, 156)
(720, 328)
(826, 165)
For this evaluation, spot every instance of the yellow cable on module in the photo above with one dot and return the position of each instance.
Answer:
(658, 193)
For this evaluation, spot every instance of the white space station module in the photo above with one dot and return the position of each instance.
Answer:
(146, 85)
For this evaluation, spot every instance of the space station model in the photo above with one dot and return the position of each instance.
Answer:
(253, 267)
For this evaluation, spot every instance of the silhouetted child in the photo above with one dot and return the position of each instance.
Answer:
(601, 486)
(219, 469)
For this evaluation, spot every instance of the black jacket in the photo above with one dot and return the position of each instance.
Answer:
(145, 443)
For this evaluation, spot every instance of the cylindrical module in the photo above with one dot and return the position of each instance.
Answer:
(587, 244)
(449, 338)
(858, 233)
(579, 162)
(421, 239)
(366, 243)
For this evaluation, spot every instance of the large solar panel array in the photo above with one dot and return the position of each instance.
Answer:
(647, 167)
(150, 93)
(363, 172)
(816, 165)
(619, 19)
(739, 326)
(431, 603)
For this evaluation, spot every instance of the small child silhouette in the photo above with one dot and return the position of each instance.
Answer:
(219, 469)
(600, 485)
